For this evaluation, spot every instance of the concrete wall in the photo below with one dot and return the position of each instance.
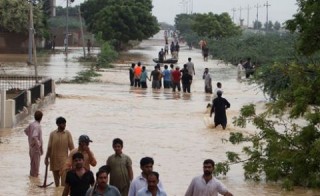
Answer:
(7, 107)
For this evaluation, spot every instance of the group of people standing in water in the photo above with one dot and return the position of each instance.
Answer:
(166, 78)
(71, 167)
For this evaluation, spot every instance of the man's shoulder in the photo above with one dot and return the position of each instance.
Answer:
(113, 188)
(125, 156)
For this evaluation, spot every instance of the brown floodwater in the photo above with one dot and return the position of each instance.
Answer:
(173, 128)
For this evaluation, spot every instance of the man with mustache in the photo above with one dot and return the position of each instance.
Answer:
(207, 184)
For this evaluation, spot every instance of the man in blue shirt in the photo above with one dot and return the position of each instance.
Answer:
(102, 188)
(152, 189)
(166, 77)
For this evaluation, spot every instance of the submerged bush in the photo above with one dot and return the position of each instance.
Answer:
(85, 76)
(106, 56)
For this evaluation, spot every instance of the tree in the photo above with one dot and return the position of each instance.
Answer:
(286, 145)
(215, 26)
(268, 26)
(14, 16)
(183, 23)
(119, 20)
(306, 22)
(257, 24)
(277, 26)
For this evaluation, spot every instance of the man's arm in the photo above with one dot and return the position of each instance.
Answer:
(70, 142)
(92, 159)
(132, 189)
(228, 194)
(212, 109)
(48, 154)
(130, 172)
(190, 189)
(66, 190)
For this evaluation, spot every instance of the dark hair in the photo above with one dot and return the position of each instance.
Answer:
(38, 115)
(153, 173)
(208, 161)
(117, 141)
(146, 160)
(133, 64)
(143, 68)
(219, 84)
(103, 169)
(189, 59)
(166, 66)
(60, 120)
(171, 65)
(77, 155)
(139, 63)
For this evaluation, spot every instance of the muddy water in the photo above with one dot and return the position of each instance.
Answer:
(173, 128)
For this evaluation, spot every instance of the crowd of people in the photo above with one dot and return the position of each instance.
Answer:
(173, 78)
(71, 167)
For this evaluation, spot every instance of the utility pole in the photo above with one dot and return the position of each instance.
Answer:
(267, 5)
(30, 33)
(240, 19)
(82, 35)
(34, 47)
(191, 6)
(257, 6)
(66, 39)
(187, 6)
(233, 11)
(248, 15)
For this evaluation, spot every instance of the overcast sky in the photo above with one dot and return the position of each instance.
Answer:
(165, 10)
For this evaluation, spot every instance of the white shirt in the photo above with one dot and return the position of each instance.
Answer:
(145, 192)
(139, 183)
(239, 67)
(190, 67)
(199, 187)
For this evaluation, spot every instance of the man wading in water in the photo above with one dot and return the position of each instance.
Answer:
(34, 133)
(219, 106)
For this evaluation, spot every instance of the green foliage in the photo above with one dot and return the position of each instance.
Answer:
(14, 16)
(264, 49)
(294, 87)
(214, 26)
(85, 76)
(195, 27)
(183, 23)
(72, 11)
(306, 22)
(106, 55)
(268, 26)
(277, 26)
(257, 24)
(120, 20)
(280, 151)
(60, 22)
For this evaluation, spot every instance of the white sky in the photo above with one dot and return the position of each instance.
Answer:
(165, 10)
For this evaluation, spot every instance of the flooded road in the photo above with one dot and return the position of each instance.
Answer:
(170, 127)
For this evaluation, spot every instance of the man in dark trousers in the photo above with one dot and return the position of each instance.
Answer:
(219, 106)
